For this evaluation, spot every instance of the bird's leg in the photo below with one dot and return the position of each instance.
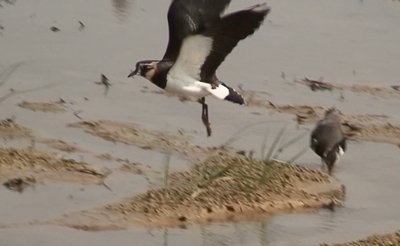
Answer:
(323, 164)
(204, 115)
(330, 168)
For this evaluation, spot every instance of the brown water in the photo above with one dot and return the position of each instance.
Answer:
(343, 41)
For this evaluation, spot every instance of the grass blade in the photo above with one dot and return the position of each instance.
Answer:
(276, 141)
(6, 73)
(237, 134)
(264, 145)
(288, 143)
(298, 154)
(14, 93)
(166, 170)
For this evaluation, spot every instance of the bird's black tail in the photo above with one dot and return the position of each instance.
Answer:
(234, 96)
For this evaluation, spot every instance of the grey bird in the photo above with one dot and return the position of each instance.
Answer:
(199, 41)
(328, 140)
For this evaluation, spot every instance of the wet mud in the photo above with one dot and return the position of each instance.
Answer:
(133, 134)
(43, 107)
(44, 166)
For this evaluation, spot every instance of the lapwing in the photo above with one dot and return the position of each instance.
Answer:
(328, 140)
(199, 41)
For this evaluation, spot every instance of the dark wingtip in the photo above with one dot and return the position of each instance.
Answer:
(261, 8)
(234, 96)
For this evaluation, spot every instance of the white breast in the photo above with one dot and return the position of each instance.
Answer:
(186, 87)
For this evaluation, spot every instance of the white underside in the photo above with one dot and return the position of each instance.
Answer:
(187, 88)
(341, 152)
(183, 78)
(337, 159)
(338, 155)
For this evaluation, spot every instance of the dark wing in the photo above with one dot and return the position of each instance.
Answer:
(226, 33)
(187, 17)
(315, 143)
(327, 135)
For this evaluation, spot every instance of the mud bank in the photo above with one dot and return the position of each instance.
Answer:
(391, 239)
(25, 167)
(223, 188)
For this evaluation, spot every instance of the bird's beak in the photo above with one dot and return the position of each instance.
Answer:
(133, 73)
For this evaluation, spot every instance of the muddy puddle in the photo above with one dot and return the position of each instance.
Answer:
(308, 56)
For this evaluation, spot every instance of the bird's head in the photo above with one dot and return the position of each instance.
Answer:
(147, 69)
(331, 159)
(333, 114)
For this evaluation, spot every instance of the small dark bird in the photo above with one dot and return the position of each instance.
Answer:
(328, 140)
(199, 41)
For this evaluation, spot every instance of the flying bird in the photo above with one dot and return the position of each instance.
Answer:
(199, 41)
(328, 140)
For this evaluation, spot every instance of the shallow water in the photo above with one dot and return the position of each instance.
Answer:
(343, 41)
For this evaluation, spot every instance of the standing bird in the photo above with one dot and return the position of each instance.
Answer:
(199, 41)
(328, 140)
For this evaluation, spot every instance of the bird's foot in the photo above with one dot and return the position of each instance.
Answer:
(208, 127)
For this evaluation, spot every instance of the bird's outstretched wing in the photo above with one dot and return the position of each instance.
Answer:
(201, 54)
(226, 33)
(188, 17)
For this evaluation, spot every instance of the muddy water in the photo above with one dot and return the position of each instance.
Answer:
(349, 42)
